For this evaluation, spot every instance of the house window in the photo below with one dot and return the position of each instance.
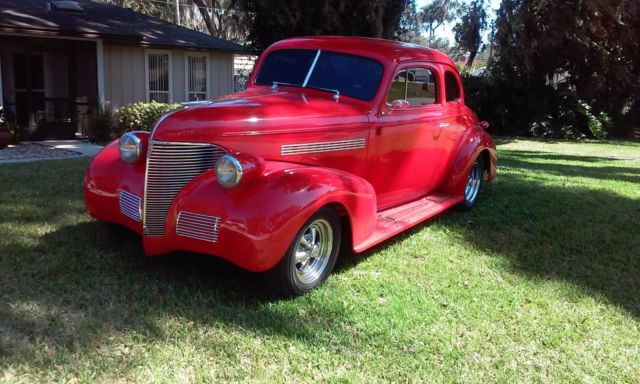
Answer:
(196, 77)
(158, 77)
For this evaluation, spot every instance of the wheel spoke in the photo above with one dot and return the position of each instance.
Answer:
(314, 235)
(304, 242)
(301, 257)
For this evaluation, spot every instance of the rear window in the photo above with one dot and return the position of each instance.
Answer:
(451, 83)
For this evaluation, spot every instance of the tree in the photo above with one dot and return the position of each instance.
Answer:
(410, 29)
(220, 18)
(560, 63)
(273, 20)
(223, 18)
(468, 31)
(164, 11)
(435, 14)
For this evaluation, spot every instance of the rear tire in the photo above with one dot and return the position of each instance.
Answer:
(474, 183)
(310, 257)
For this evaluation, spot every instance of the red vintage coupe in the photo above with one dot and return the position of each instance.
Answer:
(336, 143)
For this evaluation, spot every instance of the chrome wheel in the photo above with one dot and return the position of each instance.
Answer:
(313, 250)
(310, 257)
(473, 183)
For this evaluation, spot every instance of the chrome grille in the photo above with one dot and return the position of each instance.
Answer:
(198, 226)
(130, 205)
(170, 166)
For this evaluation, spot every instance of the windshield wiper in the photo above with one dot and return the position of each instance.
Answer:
(336, 93)
(275, 84)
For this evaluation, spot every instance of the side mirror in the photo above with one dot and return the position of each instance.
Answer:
(399, 104)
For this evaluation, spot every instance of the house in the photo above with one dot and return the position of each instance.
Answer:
(58, 59)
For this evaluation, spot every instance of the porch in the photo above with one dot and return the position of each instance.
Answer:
(48, 85)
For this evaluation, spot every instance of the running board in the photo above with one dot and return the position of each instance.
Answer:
(395, 220)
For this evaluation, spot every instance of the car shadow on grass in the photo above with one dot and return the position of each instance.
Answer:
(87, 282)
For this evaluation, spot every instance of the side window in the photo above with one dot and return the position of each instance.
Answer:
(421, 87)
(415, 85)
(398, 87)
(451, 84)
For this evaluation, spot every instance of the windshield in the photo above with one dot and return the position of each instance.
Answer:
(352, 76)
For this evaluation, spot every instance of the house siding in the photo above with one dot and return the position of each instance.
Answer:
(125, 77)
(221, 69)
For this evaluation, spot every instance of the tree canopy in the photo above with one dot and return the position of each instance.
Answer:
(273, 20)
(570, 61)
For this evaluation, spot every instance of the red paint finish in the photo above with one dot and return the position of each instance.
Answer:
(383, 170)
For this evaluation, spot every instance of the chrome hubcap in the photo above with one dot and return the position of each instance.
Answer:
(313, 250)
(473, 183)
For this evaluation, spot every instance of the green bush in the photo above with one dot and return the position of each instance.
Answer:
(8, 120)
(142, 116)
(543, 111)
(101, 123)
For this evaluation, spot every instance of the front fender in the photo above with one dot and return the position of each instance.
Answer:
(473, 143)
(260, 217)
(105, 176)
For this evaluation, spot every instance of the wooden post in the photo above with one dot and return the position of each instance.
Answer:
(178, 12)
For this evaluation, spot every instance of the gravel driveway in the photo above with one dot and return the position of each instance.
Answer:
(33, 151)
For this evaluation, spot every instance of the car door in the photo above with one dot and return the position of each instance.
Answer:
(406, 135)
(457, 120)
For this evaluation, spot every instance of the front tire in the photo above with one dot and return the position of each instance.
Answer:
(474, 183)
(310, 257)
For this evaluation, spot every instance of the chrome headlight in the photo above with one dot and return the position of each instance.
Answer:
(130, 147)
(228, 171)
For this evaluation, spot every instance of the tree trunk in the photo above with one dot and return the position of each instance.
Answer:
(470, 59)
(204, 12)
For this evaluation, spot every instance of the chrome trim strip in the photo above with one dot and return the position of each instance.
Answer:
(313, 65)
(198, 226)
(130, 205)
(322, 146)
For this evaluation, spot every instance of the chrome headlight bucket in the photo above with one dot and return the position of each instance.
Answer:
(228, 171)
(130, 147)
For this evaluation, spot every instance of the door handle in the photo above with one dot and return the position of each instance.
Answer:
(442, 125)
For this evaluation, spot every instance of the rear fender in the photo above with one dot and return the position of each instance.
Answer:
(475, 142)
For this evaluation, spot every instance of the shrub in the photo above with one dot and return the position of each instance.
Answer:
(552, 111)
(142, 116)
(101, 123)
(7, 119)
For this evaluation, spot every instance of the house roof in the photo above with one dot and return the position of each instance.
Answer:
(110, 22)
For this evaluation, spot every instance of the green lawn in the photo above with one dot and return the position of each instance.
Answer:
(540, 282)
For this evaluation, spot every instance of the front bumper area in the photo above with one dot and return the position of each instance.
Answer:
(205, 218)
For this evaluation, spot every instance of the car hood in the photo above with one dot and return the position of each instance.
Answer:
(261, 111)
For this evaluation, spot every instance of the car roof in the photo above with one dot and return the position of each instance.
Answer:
(396, 51)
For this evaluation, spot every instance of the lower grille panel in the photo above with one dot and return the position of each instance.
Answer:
(198, 226)
(130, 205)
(170, 166)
